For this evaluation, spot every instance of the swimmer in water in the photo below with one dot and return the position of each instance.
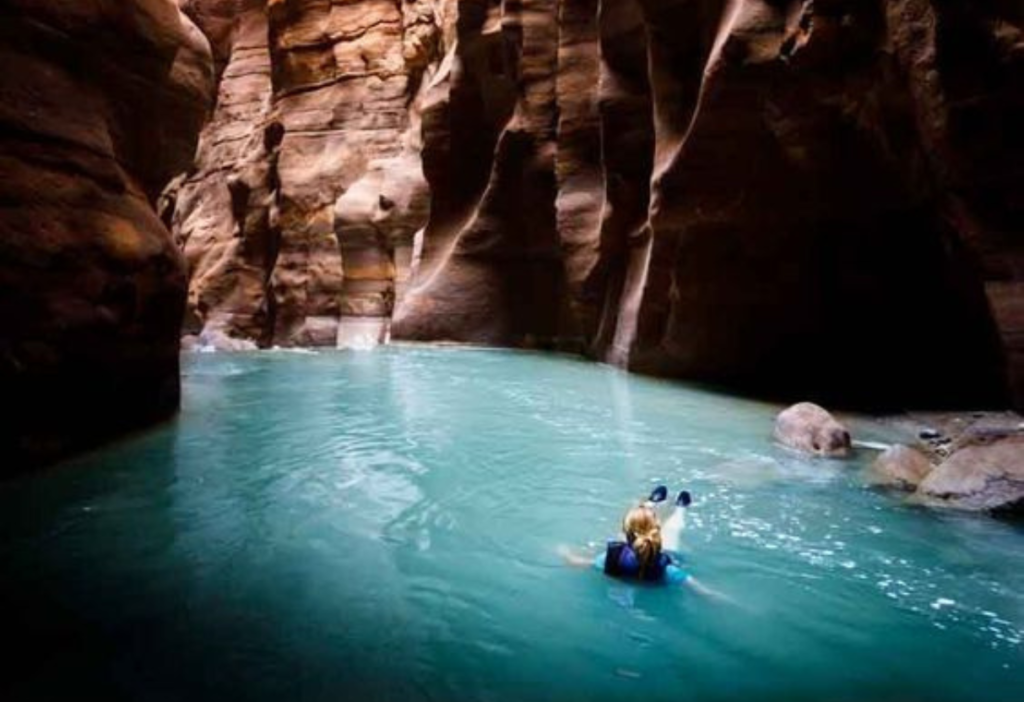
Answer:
(644, 554)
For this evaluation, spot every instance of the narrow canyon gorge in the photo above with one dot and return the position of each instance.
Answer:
(816, 199)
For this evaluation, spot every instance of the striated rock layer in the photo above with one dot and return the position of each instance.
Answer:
(816, 198)
(299, 216)
(100, 105)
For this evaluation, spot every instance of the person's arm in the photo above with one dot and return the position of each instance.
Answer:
(580, 560)
(577, 560)
(705, 591)
(678, 576)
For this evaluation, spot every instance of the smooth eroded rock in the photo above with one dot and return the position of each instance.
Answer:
(752, 193)
(100, 105)
(808, 428)
(900, 467)
(985, 476)
(299, 218)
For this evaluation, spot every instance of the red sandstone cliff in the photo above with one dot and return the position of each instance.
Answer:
(299, 215)
(100, 105)
(808, 197)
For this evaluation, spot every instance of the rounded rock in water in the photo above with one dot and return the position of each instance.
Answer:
(981, 476)
(900, 467)
(809, 428)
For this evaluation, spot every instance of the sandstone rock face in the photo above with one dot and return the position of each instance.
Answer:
(100, 105)
(818, 198)
(900, 467)
(223, 212)
(965, 65)
(491, 268)
(299, 217)
(980, 476)
(808, 428)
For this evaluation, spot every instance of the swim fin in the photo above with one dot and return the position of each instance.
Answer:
(658, 494)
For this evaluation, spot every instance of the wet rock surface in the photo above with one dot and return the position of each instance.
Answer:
(809, 428)
(210, 341)
(970, 461)
(986, 476)
(100, 105)
(899, 467)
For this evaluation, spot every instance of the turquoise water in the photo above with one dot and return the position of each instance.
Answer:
(384, 525)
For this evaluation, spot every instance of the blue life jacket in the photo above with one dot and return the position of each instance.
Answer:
(621, 561)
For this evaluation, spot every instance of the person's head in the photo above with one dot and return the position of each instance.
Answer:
(643, 534)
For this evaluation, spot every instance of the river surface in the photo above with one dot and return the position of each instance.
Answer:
(384, 526)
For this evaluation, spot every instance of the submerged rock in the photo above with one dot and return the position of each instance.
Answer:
(900, 467)
(986, 474)
(810, 428)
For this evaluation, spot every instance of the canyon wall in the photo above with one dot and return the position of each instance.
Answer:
(818, 199)
(810, 198)
(100, 106)
(299, 215)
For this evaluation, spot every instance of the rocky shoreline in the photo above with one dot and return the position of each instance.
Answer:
(972, 461)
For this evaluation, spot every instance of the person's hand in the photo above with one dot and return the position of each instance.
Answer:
(571, 557)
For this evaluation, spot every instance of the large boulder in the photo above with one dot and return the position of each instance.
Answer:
(985, 474)
(900, 467)
(809, 428)
(100, 105)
